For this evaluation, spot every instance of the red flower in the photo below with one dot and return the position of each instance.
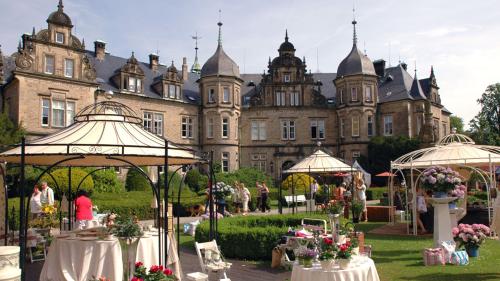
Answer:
(154, 269)
(328, 241)
(136, 279)
(348, 243)
(167, 271)
(138, 264)
(343, 247)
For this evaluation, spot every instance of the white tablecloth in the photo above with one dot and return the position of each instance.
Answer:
(78, 260)
(361, 269)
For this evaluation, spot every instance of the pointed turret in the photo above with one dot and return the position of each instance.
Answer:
(416, 91)
(59, 17)
(196, 68)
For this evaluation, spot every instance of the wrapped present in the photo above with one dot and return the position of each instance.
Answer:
(448, 249)
(434, 256)
(460, 258)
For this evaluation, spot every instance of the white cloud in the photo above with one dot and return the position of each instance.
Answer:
(442, 31)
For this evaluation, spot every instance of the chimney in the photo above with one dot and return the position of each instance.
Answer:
(99, 49)
(184, 69)
(379, 67)
(404, 65)
(154, 61)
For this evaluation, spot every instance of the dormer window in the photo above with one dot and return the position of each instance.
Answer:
(60, 37)
(134, 85)
(171, 91)
(178, 92)
(286, 78)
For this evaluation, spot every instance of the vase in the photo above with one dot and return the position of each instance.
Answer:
(308, 263)
(355, 251)
(439, 194)
(341, 239)
(472, 251)
(327, 265)
(452, 205)
(334, 218)
(344, 263)
(129, 248)
(300, 260)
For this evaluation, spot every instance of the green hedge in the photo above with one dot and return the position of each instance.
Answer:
(260, 234)
(376, 193)
(61, 176)
(136, 181)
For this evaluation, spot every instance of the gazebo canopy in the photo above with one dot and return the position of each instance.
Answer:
(319, 162)
(105, 134)
(452, 150)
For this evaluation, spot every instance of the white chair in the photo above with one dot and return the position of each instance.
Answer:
(211, 258)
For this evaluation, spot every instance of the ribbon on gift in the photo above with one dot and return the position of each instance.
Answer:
(460, 258)
(448, 249)
(434, 256)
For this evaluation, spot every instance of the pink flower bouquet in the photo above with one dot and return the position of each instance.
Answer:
(470, 235)
(440, 179)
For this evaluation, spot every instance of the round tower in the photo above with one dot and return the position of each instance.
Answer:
(220, 88)
(357, 96)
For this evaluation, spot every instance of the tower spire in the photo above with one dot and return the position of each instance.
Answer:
(354, 22)
(195, 68)
(60, 6)
(220, 30)
(286, 35)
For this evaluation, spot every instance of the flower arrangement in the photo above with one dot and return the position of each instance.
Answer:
(328, 250)
(440, 179)
(307, 254)
(335, 207)
(470, 235)
(345, 251)
(459, 191)
(47, 219)
(222, 190)
(155, 273)
(126, 228)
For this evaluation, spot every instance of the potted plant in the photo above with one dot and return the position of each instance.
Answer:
(439, 180)
(355, 245)
(344, 255)
(307, 255)
(357, 208)
(46, 221)
(128, 231)
(471, 237)
(334, 209)
(155, 273)
(458, 192)
(327, 254)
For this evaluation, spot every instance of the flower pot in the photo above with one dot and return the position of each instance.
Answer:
(300, 260)
(344, 263)
(308, 263)
(439, 194)
(355, 251)
(327, 265)
(472, 251)
(452, 205)
(341, 239)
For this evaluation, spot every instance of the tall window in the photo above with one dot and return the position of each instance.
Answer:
(187, 127)
(317, 129)
(259, 130)
(134, 84)
(259, 161)
(68, 68)
(286, 78)
(49, 64)
(210, 127)
(280, 99)
(294, 99)
(341, 96)
(171, 91)
(355, 126)
(388, 125)
(354, 94)
(45, 112)
(342, 128)
(370, 125)
(158, 124)
(288, 130)
(225, 94)
(225, 161)
(147, 121)
(237, 97)
(58, 107)
(225, 127)
(368, 94)
(60, 37)
(70, 112)
(178, 92)
(419, 123)
(211, 96)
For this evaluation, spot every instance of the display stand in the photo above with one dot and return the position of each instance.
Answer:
(442, 221)
(453, 216)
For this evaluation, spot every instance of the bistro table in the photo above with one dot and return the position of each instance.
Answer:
(362, 268)
(79, 259)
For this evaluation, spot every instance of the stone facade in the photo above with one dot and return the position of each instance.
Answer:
(269, 120)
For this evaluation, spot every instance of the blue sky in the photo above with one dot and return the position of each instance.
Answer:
(459, 38)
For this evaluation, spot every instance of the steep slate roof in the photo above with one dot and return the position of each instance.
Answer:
(220, 64)
(355, 63)
(426, 86)
(107, 68)
(416, 90)
(395, 85)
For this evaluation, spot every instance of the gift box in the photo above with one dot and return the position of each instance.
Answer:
(460, 258)
(434, 256)
(448, 249)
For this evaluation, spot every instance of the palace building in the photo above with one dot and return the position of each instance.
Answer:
(269, 120)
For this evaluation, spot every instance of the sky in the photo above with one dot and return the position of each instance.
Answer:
(459, 38)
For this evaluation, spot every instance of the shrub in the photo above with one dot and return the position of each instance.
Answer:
(131, 203)
(13, 176)
(61, 176)
(193, 178)
(300, 181)
(376, 193)
(107, 181)
(136, 181)
(260, 233)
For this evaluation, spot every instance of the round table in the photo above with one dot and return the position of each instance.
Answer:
(78, 260)
(361, 269)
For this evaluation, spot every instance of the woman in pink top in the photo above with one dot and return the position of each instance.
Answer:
(83, 207)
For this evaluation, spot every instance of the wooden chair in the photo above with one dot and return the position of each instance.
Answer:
(206, 252)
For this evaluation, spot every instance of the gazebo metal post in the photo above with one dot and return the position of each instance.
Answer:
(158, 211)
(70, 201)
(165, 207)
(293, 196)
(181, 184)
(216, 218)
(22, 235)
(6, 190)
(280, 195)
(210, 196)
(413, 200)
(310, 191)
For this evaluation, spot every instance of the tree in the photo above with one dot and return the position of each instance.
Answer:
(61, 176)
(10, 133)
(457, 123)
(106, 181)
(136, 181)
(485, 127)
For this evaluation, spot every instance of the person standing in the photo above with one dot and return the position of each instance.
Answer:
(245, 198)
(264, 194)
(83, 209)
(35, 204)
(236, 197)
(361, 196)
(259, 194)
(47, 194)
(314, 189)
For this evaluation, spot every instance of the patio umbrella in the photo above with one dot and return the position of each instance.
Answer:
(340, 174)
(385, 174)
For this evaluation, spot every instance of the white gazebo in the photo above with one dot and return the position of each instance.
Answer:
(456, 151)
(319, 162)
